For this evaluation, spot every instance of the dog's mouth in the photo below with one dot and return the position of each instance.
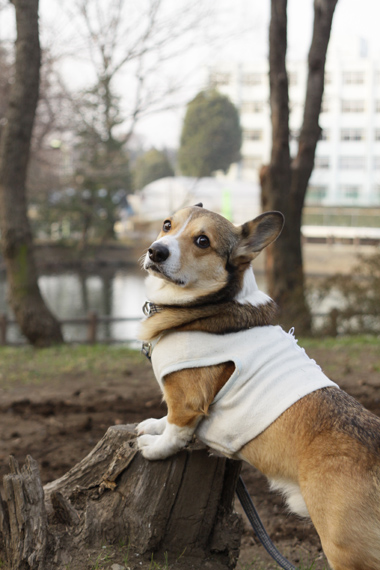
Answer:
(156, 269)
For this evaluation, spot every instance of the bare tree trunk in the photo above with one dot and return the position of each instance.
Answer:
(284, 182)
(35, 320)
(181, 506)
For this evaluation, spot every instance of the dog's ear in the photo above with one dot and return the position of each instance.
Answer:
(200, 205)
(256, 235)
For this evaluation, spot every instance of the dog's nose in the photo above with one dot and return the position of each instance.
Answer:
(158, 252)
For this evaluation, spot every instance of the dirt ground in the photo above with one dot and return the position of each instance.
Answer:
(58, 421)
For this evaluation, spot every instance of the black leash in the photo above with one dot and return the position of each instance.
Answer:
(258, 527)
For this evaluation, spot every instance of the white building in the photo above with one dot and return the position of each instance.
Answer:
(347, 164)
(237, 200)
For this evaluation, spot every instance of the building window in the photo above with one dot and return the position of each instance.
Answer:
(252, 135)
(352, 162)
(294, 134)
(250, 79)
(292, 78)
(353, 106)
(325, 106)
(322, 162)
(377, 106)
(353, 77)
(316, 193)
(376, 193)
(349, 191)
(325, 135)
(377, 134)
(252, 162)
(376, 162)
(221, 79)
(252, 106)
(352, 135)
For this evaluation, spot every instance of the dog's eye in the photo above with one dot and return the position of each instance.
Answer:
(202, 241)
(167, 225)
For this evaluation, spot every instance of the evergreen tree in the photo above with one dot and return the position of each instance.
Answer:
(151, 166)
(211, 135)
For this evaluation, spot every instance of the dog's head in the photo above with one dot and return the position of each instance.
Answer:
(199, 256)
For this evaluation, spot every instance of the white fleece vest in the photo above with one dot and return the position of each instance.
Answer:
(271, 373)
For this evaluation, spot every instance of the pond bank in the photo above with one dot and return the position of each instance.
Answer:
(56, 257)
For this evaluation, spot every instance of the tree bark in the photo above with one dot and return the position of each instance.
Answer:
(34, 318)
(284, 181)
(181, 506)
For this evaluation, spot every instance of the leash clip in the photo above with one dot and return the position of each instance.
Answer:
(146, 349)
(149, 309)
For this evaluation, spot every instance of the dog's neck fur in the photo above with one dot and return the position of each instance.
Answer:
(249, 308)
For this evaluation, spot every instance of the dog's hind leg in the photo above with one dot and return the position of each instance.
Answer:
(343, 498)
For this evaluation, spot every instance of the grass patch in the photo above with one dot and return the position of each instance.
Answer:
(26, 365)
(334, 343)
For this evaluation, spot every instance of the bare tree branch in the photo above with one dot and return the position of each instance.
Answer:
(283, 183)
(310, 130)
(278, 80)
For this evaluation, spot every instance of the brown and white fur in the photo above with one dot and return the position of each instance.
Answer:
(323, 452)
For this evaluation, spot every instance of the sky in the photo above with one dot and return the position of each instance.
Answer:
(353, 19)
(241, 27)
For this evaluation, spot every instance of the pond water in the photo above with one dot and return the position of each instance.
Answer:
(74, 295)
(116, 294)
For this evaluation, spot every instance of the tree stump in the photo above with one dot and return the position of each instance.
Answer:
(182, 506)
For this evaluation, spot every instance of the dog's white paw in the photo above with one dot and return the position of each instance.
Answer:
(151, 426)
(154, 447)
(173, 439)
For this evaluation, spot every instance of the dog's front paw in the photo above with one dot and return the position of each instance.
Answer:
(151, 426)
(153, 447)
(172, 440)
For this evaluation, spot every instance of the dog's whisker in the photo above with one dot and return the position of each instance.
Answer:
(141, 259)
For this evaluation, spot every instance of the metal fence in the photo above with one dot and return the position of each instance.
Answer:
(91, 322)
(332, 323)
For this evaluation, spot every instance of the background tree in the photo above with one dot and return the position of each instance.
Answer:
(284, 181)
(120, 43)
(211, 135)
(102, 173)
(6, 73)
(152, 165)
(34, 318)
(48, 168)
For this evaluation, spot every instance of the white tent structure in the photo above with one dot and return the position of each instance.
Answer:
(237, 200)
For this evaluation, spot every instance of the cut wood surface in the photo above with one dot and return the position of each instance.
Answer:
(180, 508)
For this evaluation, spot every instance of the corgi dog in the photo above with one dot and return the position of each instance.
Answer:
(246, 389)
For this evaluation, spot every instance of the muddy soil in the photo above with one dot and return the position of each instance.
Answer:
(59, 422)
